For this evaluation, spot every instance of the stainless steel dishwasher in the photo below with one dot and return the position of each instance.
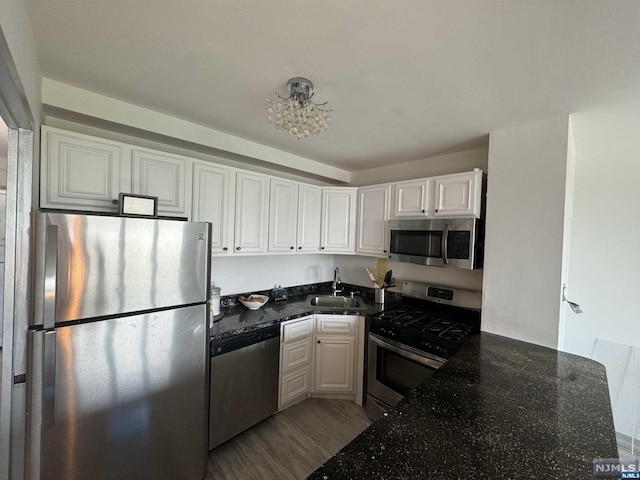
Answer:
(244, 382)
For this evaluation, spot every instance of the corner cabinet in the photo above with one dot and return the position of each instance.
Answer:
(81, 172)
(213, 201)
(252, 208)
(296, 355)
(373, 213)
(338, 220)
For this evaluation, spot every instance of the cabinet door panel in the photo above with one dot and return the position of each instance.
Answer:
(294, 385)
(297, 329)
(283, 204)
(373, 213)
(336, 324)
(82, 172)
(163, 176)
(296, 354)
(458, 195)
(309, 207)
(213, 201)
(338, 220)
(411, 199)
(334, 364)
(252, 201)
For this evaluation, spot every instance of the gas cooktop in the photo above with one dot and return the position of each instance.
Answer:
(437, 328)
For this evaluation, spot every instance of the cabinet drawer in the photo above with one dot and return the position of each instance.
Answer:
(297, 329)
(295, 385)
(296, 354)
(337, 324)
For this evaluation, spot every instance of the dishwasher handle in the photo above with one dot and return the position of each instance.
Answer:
(235, 342)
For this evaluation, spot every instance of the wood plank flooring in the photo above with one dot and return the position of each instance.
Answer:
(291, 444)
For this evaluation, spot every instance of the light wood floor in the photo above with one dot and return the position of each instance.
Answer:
(291, 444)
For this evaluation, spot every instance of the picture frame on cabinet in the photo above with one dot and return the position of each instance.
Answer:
(133, 205)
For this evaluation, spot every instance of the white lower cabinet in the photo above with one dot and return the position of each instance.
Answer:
(334, 365)
(321, 356)
(296, 355)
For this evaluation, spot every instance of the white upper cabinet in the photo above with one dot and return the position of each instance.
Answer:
(373, 213)
(213, 201)
(81, 172)
(458, 195)
(294, 217)
(412, 198)
(338, 220)
(252, 208)
(283, 215)
(165, 176)
(309, 208)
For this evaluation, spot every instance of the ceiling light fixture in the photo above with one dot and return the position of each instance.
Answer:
(296, 113)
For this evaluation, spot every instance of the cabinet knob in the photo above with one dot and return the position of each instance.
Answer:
(238, 248)
(299, 248)
(321, 248)
(384, 251)
(423, 211)
(436, 210)
(318, 341)
(115, 201)
(224, 249)
(291, 248)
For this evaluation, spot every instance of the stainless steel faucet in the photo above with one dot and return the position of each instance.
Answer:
(336, 282)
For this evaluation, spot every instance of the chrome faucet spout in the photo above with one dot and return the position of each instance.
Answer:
(336, 282)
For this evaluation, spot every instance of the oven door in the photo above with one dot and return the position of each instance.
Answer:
(394, 369)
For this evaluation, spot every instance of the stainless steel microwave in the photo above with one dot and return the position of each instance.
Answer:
(452, 242)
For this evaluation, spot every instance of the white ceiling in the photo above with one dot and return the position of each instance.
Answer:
(406, 79)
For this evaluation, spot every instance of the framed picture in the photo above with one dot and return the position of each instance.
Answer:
(131, 205)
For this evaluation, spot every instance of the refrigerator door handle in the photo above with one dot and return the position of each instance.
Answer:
(49, 378)
(50, 276)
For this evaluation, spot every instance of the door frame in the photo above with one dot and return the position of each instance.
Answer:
(15, 112)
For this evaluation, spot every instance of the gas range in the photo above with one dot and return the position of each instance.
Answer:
(436, 322)
(409, 342)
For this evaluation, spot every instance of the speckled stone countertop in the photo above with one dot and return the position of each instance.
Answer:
(499, 409)
(238, 319)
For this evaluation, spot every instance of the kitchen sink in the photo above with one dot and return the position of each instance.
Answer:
(336, 302)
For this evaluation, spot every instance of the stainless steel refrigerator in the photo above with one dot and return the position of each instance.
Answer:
(118, 374)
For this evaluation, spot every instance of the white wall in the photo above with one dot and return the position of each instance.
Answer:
(16, 28)
(604, 266)
(463, 161)
(524, 231)
(248, 274)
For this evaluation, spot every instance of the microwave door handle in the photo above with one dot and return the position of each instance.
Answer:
(445, 242)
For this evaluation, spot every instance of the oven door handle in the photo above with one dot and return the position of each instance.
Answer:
(429, 362)
(445, 243)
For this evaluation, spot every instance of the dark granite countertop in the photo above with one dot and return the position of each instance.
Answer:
(499, 409)
(238, 319)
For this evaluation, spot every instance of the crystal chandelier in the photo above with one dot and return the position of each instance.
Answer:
(297, 114)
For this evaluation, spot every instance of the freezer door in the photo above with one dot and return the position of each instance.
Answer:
(105, 266)
(124, 398)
